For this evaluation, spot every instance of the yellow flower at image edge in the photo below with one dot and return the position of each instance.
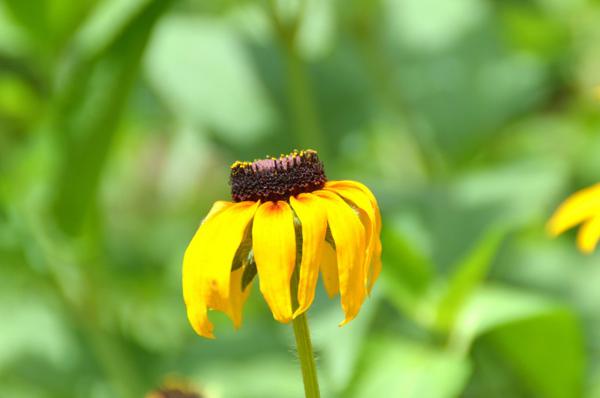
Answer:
(283, 208)
(582, 207)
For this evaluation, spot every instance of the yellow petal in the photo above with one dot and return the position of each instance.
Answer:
(576, 209)
(274, 245)
(207, 263)
(367, 216)
(329, 271)
(363, 199)
(365, 190)
(217, 207)
(199, 320)
(237, 297)
(588, 235)
(349, 236)
(376, 265)
(313, 218)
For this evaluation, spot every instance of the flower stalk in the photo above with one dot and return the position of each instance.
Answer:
(306, 356)
(304, 348)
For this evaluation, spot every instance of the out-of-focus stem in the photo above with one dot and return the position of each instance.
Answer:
(304, 115)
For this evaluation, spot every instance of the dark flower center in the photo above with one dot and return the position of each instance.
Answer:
(277, 178)
(173, 393)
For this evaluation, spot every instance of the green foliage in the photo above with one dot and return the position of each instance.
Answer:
(469, 120)
(526, 334)
(467, 276)
(408, 369)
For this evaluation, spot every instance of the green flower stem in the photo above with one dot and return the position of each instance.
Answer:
(303, 343)
(304, 115)
(306, 356)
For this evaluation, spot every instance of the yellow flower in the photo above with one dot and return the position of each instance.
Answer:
(284, 215)
(582, 207)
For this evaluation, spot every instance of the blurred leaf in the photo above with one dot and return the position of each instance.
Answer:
(11, 34)
(32, 16)
(447, 22)
(407, 272)
(468, 275)
(546, 352)
(87, 117)
(20, 333)
(493, 307)
(521, 189)
(340, 348)
(401, 368)
(17, 102)
(199, 66)
(530, 29)
(405, 262)
(317, 29)
(108, 20)
(463, 94)
(49, 22)
(538, 340)
(264, 376)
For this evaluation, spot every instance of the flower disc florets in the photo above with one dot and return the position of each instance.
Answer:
(275, 179)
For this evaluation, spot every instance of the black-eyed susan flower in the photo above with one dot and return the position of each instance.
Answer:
(582, 207)
(174, 389)
(172, 393)
(285, 217)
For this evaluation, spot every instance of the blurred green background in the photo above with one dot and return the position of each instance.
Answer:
(469, 119)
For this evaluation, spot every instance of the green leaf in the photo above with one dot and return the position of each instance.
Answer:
(405, 262)
(340, 348)
(402, 368)
(539, 341)
(203, 72)
(263, 376)
(49, 23)
(32, 16)
(86, 118)
(491, 307)
(469, 274)
(546, 353)
(407, 272)
(248, 274)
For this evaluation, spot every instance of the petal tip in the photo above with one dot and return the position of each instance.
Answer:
(587, 249)
(345, 322)
(206, 334)
(553, 228)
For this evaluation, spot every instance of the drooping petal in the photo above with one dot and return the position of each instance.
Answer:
(274, 245)
(313, 218)
(349, 237)
(363, 199)
(588, 235)
(376, 265)
(207, 263)
(329, 271)
(577, 208)
(365, 190)
(367, 215)
(237, 297)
